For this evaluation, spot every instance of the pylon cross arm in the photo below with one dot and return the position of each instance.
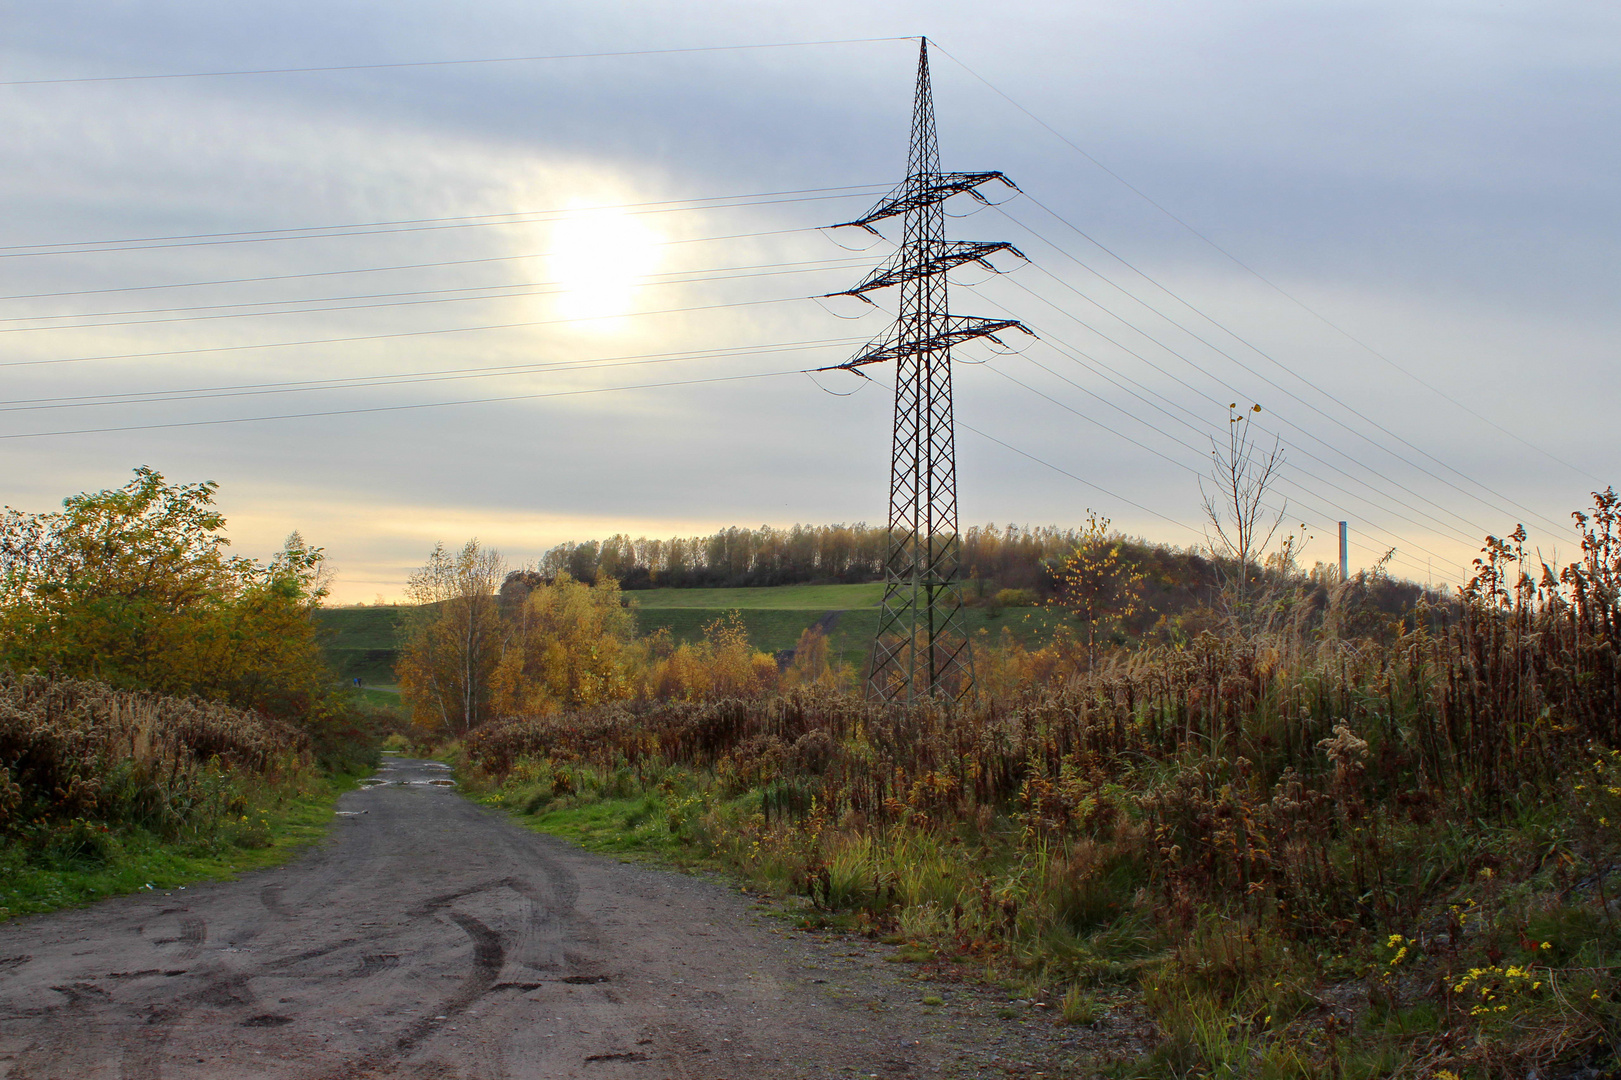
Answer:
(938, 257)
(958, 329)
(925, 190)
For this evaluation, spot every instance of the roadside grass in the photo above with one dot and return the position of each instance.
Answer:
(627, 826)
(1381, 933)
(274, 830)
(607, 815)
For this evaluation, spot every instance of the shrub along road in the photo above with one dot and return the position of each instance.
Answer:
(432, 938)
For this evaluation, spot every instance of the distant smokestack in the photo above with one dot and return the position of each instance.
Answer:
(1345, 570)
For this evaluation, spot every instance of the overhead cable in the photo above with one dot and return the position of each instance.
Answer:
(450, 63)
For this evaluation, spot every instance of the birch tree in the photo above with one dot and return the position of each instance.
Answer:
(1239, 524)
(453, 637)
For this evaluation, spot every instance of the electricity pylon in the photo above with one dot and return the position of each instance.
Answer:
(921, 649)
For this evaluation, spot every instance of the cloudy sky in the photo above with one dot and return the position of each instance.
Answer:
(1392, 225)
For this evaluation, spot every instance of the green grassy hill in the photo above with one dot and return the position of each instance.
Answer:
(778, 598)
(776, 616)
(362, 641)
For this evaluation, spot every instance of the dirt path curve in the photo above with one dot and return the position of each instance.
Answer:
(430, 938)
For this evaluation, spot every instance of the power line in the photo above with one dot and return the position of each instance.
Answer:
(452, 63)
(1060, 346)
(546, 288)
(1196, 367)
(1103, 372)
(665, 205)
(1376, 444)
(1282, 367)
(1270, 284)
(1079, 480)
(1101, 369)
(387, 337)
(1053, 341)
(959, 422)
(820, 264)
(257, 239)
(1250, 371)
(399, 408)
(380, 269)
(210, 393)
(1120, 435)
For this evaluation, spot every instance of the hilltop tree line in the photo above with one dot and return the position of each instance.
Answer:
(1012, 556)
(1172, 589)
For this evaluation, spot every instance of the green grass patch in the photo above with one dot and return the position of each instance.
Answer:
(772, 629)
(629, 824)
(768, 630)
(133, 861)
(361, 642)
(614, 826)
(387, 697)
(817, 598)
(362, 627)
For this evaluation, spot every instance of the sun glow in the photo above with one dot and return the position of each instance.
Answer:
(598, 257)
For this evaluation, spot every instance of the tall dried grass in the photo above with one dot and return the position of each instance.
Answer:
(72, 750)
(1427, 805)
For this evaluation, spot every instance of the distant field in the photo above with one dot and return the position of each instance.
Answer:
(778, 598)
(373, 695)
(362, 641)
(775, 617)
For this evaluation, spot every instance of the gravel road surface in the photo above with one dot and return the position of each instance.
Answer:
(430, 938)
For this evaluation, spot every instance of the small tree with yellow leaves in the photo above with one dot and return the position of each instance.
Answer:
(1099, 584)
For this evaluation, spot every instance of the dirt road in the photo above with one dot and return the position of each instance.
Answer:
(430, 938)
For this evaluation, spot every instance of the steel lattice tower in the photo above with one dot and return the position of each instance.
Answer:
(921, 649)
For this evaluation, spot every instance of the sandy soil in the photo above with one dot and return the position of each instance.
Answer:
(430, 938)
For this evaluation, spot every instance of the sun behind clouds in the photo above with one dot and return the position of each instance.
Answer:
(598, 256)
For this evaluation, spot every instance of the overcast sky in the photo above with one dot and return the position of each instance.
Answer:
(1392, 225)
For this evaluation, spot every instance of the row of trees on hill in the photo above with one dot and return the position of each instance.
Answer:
(1010, 555)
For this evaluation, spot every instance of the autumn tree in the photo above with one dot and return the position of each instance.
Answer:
(568, 647)
(722, 664)
(1099, 583)
(813, 663)
(132, 586)
(453, 637)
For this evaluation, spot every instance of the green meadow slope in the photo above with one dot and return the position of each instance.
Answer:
(362, 641)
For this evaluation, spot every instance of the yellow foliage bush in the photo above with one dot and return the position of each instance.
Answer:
(570, 646)
(723, 664)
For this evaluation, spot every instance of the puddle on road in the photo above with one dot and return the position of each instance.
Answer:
(390, 774)
(377, 782)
